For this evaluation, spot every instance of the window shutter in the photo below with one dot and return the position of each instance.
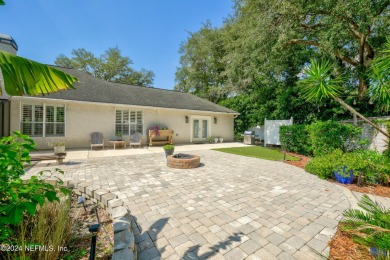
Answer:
(27, 118)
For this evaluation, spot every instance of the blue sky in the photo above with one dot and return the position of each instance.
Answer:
(148, 31)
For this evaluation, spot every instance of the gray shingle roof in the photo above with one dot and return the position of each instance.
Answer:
(91, 89)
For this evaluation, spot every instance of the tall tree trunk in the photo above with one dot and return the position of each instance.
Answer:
(362, 87)
(353, 111)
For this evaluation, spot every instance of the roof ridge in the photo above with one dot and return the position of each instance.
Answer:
(97, 90)
(151, 87)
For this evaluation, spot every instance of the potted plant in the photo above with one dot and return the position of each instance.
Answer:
(58, 145)
(169, 149)
(158, 130)
(160, 135)
(210, 139)
(118, 136)
(343, 175)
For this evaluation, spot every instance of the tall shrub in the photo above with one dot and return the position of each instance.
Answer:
(295, 138)
(323, 166)
(328, 136)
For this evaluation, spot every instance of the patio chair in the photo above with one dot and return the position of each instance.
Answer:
(136, 139)
(97, 140)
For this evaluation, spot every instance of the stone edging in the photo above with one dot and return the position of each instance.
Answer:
(124, 240)
(350, 197)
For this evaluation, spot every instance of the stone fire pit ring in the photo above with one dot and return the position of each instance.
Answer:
(183, 161)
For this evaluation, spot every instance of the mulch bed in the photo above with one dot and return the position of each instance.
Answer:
(303, 160)
(371, 189)
(379, 190)
(342, 247)
(81, 240)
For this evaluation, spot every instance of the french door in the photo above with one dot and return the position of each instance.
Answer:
(200, 128)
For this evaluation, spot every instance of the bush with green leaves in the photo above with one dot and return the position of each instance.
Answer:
(369, 166)
(210, 139)
(238, 137)
(370, 227)
(324, 165)
(19, 197)
(168, 147)
(295, 138)
(329, 136)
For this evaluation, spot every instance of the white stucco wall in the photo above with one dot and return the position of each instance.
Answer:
(83, 118)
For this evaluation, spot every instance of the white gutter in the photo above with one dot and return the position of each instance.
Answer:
(114, 104)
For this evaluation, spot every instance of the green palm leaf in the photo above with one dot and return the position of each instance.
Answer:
(319, 84)
(370, 227)
(26, 77)
(380, 74)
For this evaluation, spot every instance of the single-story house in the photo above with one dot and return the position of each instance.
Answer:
(100, 106)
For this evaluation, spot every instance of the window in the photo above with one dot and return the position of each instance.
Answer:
(128, 122)
(42, 120)
(32, 120)
(55, 121)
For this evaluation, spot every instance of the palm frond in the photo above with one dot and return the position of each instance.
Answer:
(23, 76)
(383, 62)
(2, 2)
(380, 74)
(370, 227)
(319, 83)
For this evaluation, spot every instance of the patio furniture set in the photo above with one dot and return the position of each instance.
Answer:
(97, 140)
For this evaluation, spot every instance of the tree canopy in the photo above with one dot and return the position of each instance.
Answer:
(265, 45)
(110, 66)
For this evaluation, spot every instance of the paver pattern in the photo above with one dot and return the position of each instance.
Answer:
(231, 207)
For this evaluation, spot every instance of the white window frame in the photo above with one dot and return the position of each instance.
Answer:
(44, 117)
(55, 119)
(129, 123)
(32, 121)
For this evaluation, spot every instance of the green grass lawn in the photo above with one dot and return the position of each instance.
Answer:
(258, 152)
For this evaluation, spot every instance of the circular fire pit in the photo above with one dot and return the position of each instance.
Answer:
(183, 161)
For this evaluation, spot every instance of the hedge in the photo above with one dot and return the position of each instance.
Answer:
(295, 138)
(329, 136)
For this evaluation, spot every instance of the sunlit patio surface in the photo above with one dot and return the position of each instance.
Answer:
(87, 153)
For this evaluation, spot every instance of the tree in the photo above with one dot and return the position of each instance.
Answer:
(350, 31)
(111, 66)
(201, 66)
(321, 83)
(268, 43)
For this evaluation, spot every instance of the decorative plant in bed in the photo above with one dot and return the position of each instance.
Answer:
(59, 230)
(369, 228)
(37, 219)
(155, 130)
(368, 167)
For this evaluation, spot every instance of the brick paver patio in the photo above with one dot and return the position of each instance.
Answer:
(232, 207)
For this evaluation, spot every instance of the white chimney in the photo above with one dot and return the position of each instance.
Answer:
(8, 44)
